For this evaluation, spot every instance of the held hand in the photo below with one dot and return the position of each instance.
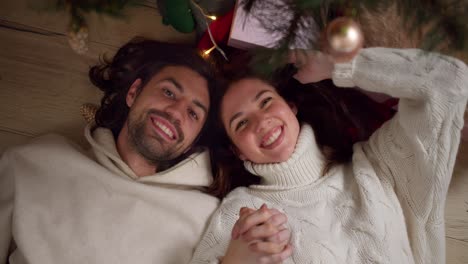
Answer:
(312, 65)
(259, 236)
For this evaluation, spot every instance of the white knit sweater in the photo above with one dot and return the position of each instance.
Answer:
(387, 205)
(59, 205)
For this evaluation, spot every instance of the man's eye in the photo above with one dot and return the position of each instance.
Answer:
(168, 93)
(193, 114)
(265, 102)
(241, 124)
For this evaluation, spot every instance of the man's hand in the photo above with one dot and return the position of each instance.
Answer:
(259, 236)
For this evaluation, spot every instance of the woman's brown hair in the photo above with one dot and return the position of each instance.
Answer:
(340, 117)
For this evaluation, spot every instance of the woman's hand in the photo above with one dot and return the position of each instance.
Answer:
(312, 65)
(259, 236)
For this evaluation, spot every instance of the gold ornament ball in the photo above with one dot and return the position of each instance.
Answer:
(344, 38)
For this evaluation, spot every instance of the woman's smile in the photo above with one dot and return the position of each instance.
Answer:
(273, 138)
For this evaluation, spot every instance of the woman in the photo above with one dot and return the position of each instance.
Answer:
(384, 206)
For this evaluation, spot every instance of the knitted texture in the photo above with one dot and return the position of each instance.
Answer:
(59, 204)
(387, 205)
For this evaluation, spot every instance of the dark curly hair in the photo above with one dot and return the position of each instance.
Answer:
(143, 58)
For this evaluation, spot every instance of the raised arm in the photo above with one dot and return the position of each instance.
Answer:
(414, 151)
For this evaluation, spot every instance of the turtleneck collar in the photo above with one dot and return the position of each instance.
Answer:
(303, 167)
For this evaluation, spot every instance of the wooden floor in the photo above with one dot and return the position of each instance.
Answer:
(43, 83)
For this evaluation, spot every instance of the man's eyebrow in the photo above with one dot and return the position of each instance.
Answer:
(181, 89)
(174, 82)
(199, 104)
(259, 94)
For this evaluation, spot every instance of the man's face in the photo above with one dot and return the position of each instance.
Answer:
(168, 113)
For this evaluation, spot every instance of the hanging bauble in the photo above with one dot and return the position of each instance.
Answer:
(344, 39)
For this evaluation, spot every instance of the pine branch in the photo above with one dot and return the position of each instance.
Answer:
(442, 23)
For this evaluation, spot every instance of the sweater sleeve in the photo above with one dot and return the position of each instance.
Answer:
(217, 237)
(6, 208)
(414, 151)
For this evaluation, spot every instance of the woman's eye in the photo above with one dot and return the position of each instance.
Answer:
(265, 101)
(168, 93)
(241, 124)
(193, 114)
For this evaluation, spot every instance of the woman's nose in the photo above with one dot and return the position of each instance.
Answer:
(262, 122)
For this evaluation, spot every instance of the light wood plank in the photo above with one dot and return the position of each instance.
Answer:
(457, 251)
(143, 20)
(456, 213)
(43, 84)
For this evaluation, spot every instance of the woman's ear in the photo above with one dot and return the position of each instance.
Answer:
(242, 157)
(133, 92)
(293, 107)
(237, 152)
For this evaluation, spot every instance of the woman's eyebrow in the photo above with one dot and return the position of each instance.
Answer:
(234, 117)
(259, 94)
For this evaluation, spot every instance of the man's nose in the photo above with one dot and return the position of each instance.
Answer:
(177, 110)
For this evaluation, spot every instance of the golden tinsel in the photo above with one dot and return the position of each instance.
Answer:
(88, 112)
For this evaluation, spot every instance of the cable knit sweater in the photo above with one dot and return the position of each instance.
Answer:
(387, 205)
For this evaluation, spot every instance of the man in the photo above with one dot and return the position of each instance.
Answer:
(137, 196)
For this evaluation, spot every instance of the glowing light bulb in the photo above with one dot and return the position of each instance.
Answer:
(208, 51)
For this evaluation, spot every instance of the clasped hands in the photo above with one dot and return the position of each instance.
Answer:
(259, 236)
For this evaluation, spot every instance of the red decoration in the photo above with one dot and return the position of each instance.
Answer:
(220, 29)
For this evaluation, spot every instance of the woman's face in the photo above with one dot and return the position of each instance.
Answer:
(262, 126)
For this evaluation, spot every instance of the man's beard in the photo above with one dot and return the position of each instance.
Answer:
(151, 147)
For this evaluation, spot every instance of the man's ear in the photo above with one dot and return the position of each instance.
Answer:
(133, 92)
(293, 107)
(237, 152)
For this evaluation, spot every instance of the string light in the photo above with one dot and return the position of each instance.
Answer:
(215, 45)
(208, 51)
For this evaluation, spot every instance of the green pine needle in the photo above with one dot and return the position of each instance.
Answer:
(445, 23)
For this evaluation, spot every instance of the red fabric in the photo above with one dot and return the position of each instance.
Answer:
(220, 29)
(384, 112)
